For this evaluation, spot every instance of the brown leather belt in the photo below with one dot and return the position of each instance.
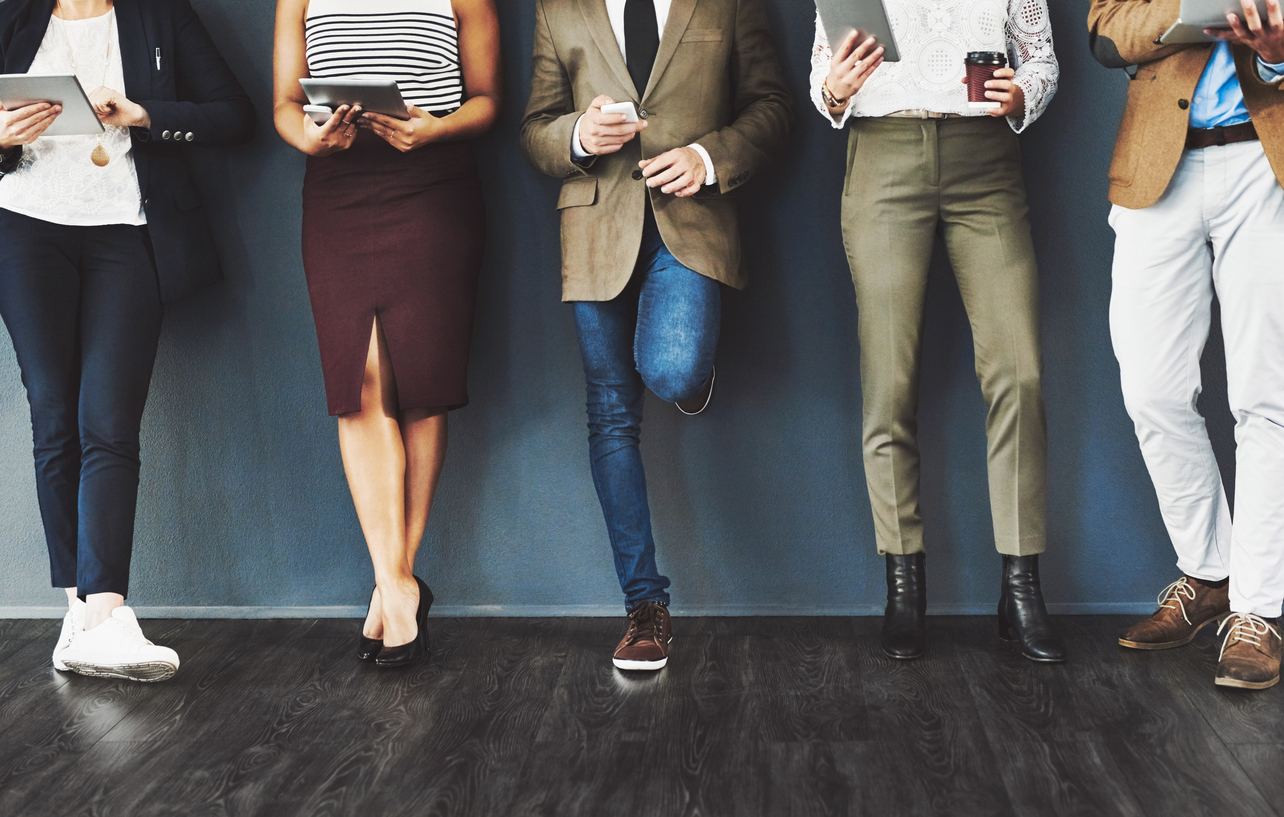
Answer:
(1197, 138)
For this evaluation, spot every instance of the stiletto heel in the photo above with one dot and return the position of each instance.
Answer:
(368, 648)
(418, 648)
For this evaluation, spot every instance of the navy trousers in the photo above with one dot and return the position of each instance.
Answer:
(83, 307)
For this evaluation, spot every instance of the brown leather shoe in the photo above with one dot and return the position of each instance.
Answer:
(1185, 607)
(1250, 656)
(646, 644)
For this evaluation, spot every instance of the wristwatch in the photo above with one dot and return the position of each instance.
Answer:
(829, 98)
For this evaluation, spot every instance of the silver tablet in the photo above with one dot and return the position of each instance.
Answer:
(378, 95)
(1197, 15)
(77, 117)
(869, 17)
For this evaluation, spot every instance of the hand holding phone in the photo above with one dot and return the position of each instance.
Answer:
(604, 131)
(629, 110)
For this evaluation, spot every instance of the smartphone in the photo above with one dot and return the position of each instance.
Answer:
(629, 110)
(320, 114)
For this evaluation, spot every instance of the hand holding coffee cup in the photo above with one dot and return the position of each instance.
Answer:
(990, 85)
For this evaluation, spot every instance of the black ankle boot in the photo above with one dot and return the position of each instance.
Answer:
(1023, 618)
(904, 626)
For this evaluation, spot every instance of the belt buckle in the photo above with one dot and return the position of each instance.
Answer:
(1219, 136)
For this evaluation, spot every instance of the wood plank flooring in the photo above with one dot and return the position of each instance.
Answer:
(766, 716)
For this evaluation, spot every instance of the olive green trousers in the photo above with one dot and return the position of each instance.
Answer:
(907, 181)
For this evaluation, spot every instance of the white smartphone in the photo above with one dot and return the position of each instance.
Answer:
(629, 110)
(319, 113)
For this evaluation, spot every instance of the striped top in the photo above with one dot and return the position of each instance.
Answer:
(411, 41)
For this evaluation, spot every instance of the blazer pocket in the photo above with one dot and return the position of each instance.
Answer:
(577, 193)
(702, 35)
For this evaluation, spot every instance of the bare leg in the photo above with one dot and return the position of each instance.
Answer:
(98, 607)
(71, 596)
(374, 459)
(424, 432)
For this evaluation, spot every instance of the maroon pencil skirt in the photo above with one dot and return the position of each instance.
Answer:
(398, 236)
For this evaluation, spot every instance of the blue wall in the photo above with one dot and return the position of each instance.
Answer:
(759, 505)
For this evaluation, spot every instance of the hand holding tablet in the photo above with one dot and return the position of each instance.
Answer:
(76, 115)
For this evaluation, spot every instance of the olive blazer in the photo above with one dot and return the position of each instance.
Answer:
(193, 99)
(1152, 135)
(716, 81)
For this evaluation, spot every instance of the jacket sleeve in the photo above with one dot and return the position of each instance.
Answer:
(212, 108)
(548, 125)
(1122, 33)
(763, 105)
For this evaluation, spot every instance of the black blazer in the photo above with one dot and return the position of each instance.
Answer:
(193, 99)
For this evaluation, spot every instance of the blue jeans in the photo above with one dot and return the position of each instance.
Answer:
(660, 333)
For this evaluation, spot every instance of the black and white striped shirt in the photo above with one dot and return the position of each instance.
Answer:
(411, 41)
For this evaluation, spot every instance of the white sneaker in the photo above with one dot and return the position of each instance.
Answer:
(117, 649)
(72, 623)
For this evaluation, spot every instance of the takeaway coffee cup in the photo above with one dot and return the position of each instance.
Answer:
(981, 66)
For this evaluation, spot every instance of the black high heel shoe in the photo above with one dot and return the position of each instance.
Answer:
(417, 649)
(368, 648)
(1023, 618)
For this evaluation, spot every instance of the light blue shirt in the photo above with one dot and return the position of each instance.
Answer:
(1219, 101)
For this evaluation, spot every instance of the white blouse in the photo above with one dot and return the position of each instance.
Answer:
(55, 180)
(934, 36)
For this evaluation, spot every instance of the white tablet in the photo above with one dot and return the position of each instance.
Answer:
(1197, 15)
(377, 95)
(869, 17)
(77, 117)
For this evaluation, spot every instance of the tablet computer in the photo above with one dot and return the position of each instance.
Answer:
(77, 117)
(869, 17)
(1197, 15)
(377, 95)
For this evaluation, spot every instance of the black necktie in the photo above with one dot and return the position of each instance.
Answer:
(641, 40)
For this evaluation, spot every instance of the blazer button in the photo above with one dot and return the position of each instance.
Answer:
(1183, 104)
(190, 137)
(165, 135)
(637, 175)
(643, 113)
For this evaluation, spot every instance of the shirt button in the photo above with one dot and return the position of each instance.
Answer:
(643, 113)
(1183, 104)
(637, 175)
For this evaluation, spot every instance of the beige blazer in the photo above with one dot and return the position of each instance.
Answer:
(716, 81)
(1152, 134)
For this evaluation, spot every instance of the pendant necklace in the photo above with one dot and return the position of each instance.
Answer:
(100, 156)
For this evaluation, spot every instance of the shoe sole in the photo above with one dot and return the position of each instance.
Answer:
(1168, 645)
(1237, 684)
(147, 672)
(621, 663)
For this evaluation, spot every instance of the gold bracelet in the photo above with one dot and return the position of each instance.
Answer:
(828, 96)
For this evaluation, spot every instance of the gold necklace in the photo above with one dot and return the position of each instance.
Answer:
(100, 156)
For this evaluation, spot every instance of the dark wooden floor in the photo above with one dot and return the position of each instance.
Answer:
(783, 716)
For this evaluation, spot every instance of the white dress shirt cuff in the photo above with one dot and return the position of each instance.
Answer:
(1271, 74)
(578, 153)
(709, 176)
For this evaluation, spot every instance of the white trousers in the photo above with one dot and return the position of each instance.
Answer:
(1218, 228)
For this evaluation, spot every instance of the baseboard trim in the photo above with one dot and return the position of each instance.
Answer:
(583, 610)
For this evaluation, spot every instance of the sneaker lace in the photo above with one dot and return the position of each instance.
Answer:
(1246, 627)
(643, 624)
(1171, 597)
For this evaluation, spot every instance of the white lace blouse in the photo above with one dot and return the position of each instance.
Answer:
(55, 180)
(934, 36)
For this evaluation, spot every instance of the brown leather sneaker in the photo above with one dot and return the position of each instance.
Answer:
(1185, 607)
(646, 644)
(1250, 656)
